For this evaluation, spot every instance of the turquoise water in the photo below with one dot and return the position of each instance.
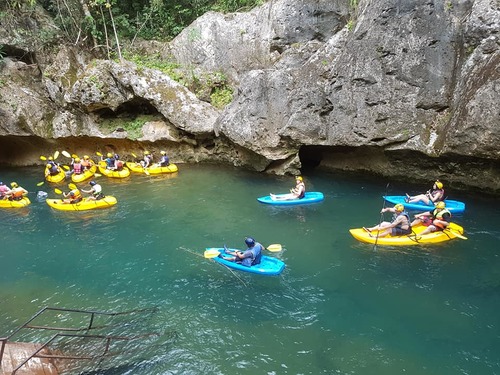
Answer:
(338, 308)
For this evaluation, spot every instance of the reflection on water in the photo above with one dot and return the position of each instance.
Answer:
(339, 306)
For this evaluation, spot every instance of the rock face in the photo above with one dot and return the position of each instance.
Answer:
(400, 88)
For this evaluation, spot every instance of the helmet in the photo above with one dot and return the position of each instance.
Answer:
(86, 157)
(51, 158)
(399, 207)
(77, 160)
(299, 178)
(92, 183)
(249, 241)
(162, 152)
(71, 193)
(440, 205)
(49, 166)
(146, 152)
(14, 184)
(109, 155)
(439, 184)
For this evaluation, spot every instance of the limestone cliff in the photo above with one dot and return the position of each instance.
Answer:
(401, 88)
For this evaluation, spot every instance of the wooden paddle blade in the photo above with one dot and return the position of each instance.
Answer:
(274, 247)
(43, 157)
(66, 153)
(40, 183)
(211, 253)
(57, 191)
(56, 155)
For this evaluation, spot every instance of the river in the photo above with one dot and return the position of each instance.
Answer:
(340, 306)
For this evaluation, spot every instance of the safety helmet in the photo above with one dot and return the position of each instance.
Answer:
(49, 166)
(399, 207)
(162, 152)
(249, 241)
(146, 152)
(299, 178)
(109, 155)
(77, 160)
(439, 184)
(440, 205)
(14, 184)
(86, 157)
(92, 183)
(51, 158)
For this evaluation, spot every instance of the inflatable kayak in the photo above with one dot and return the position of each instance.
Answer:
(453, 231)
(84, 205)
(268, 266)
(310, 197)
(57, 177)
(88, 173)
(125, 172)
(6, 203)
(155, 169)
(453, 206)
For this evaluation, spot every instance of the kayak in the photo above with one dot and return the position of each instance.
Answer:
(268, 265)
(88, 173)
(84, 205)
(155, 169)
(6, 203)
(454, 207)
(57, 177)
(310, 197)
(125, 172)
(453, 231)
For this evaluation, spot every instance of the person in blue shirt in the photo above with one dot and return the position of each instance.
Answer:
(164, 160)
(251, 256)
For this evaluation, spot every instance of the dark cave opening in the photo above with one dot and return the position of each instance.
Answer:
(130, 109)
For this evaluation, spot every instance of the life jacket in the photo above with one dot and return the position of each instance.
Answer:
(303, 191)
(119, 165)
(77, 168)
(165, 161)
(110, 162)
(441, 196)
(404, 213)
(439, 216)
(53, 170)
(86, 164)
(257, 254)
(76, 197)
(17, 194)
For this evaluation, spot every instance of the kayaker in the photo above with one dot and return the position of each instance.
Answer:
(399, 226)
(74, 196)
(436, 194)
(95, 190)
(438, 219)
(110, 161)
(147, 160)
(52, 167)
(298, 192)
(164, 160)
(251, 256)
(17, 192)
(87, 162)
(4, 191)
(77, 166)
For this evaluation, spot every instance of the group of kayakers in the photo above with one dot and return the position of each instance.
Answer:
(436, 219)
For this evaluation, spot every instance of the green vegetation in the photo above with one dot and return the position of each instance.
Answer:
(221, 96)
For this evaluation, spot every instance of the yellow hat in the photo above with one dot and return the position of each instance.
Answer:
(14, 184)
(299, 178)
(399, 207)
(162, 152)
(146, 152)
(109, 155)
(86, 157)
(439, 184)
(77, 160)
(440, 205)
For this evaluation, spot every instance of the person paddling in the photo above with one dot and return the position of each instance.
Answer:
(95, 191)
(247, 258)
(399, 226)
(437, 220)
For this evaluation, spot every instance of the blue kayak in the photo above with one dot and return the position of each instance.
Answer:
(310, 197)
(268, 265)
(454, 207)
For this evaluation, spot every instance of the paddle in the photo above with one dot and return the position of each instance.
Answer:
(72, 186)
(97, 175)
(274, 247)
(381, 218)
(58, 191)
(211, 253)
(455, 233)
(98, 153)
(40, 183)
(66, 153)
(56, 155)
(43, 158)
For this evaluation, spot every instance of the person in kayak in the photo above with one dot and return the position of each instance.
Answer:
(436, 194)
(4, 191)
(251, 256)
(437, 220)
(77, 166)
(147, 160)
(95, 191)
(52, 167)
(110, 161)
(74, 196)
(164, 160)
(298, 192)
(399, 226)
(87, 163)
(17, 192)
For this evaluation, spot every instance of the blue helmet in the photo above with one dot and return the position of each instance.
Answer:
(92, 183)
(249, 241)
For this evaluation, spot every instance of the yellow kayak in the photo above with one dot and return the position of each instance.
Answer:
(155, 169)
(453, 231)
(88, 173)
(84, 205)
(125, 172)
(6, 203)
(56, 178)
